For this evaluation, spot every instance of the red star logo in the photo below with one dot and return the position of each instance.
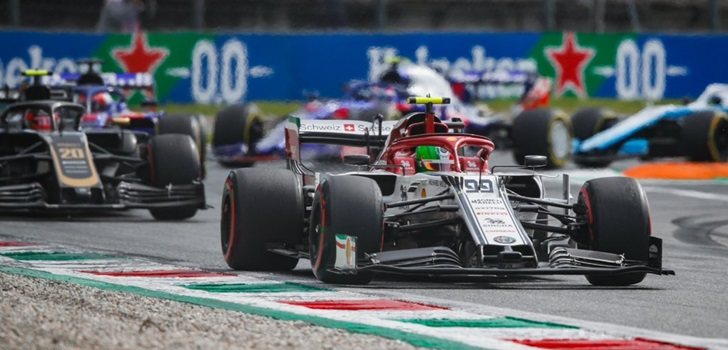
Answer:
(139, 57)
(569, 60)
(349, 127)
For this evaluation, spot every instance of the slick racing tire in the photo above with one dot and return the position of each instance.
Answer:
(542, 132)
(260, 206)
(173, 159)
(203, 132)
(705, 136)
(586, 123)
(186, 125)
(238, 124)
(601, 160)
(128, 145)
(345, 205)
(618, 221)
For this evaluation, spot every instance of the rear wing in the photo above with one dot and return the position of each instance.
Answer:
(498, 77)
(536, 89)
(119, 80)
(340, 132)
(356, 133)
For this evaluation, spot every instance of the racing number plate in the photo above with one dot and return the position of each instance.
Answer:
(74, 165)
(491, 211)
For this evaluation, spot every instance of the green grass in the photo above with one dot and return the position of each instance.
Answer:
(569, 105)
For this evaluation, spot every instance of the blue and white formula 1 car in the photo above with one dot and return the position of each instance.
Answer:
(241, 138)
(698, 131)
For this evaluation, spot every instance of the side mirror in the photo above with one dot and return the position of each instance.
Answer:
(356, 159)
(534, 161)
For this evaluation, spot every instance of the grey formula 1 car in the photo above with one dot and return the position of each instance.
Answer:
(48, 163)
(429, 204)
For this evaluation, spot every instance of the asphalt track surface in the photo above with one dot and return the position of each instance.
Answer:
(691, 218)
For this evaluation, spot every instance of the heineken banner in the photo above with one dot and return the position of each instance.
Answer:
(227, 68)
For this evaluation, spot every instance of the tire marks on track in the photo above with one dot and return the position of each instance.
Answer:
(705, 230)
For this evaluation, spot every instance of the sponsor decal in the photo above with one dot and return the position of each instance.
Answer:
(72, 160)
(373, 129)
(504, 239)
(569, 60)
(227, 68)
(320, 127)
(492, 214)
(139, 57)
(345, 252)
(338, 127)
(472, 58)
(493, 222)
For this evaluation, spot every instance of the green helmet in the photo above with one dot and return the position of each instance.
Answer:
(428, 158)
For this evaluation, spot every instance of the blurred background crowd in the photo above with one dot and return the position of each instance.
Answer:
(368, 15)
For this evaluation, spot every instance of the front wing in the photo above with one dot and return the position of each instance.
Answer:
(562, 261)
(128, 195)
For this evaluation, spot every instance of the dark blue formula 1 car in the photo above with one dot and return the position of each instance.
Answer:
(698, 131)
(241, 137)
(105, 97)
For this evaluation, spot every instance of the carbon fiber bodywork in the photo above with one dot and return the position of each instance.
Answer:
(63, 168)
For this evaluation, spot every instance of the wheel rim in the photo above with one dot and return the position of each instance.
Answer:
(559, 137)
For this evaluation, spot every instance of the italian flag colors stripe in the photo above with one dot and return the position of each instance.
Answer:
(285, 287)
(55, 256)
(173, 273)
(496, 322)
(364, 304)
(608, 344)
(441, 324)
(15, 244)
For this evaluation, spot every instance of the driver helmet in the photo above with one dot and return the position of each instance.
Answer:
(432, 158)
(102, 101)
(38, 120)
(80, 98)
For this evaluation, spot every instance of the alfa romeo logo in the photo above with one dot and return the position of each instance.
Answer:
(504, 239)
